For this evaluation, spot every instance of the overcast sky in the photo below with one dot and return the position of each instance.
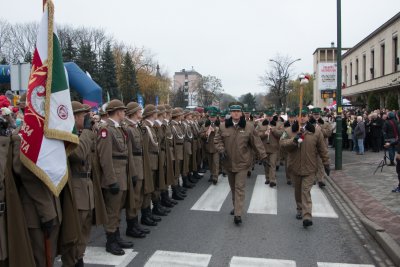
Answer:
(230, 39)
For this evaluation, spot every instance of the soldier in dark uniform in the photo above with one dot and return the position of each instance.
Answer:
(112, 146)
(187, 150)
(134, 115)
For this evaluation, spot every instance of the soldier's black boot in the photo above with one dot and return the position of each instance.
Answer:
(307, 223)
(132, 230)
(122, 243)
(152, 216)
(237, 220)
(186, 183)
(176, 195)
(140, 228)
(165, 201)
(146, 220)
(157, 210)
(79, 263)
(192, 180)
(181, 189)
(173, 202)
(197, 175)
(321, 185)
(112, 245)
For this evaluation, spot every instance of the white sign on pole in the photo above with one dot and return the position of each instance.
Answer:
(327, 76)
(20, 76)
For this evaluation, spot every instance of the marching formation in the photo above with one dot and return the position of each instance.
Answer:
(143, 161)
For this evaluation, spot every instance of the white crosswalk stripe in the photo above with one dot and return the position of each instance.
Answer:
(99, 256)
(328, 264)
(321, 207)
(213, 198)
(264, 199)
(175, 259)
(260, 262)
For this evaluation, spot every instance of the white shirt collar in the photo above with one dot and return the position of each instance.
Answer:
(132, 121)
(159, 122)
(116, 124)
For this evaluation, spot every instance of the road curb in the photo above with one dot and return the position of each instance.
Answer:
(389, 245)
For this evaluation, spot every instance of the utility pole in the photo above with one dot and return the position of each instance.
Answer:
(338, 145)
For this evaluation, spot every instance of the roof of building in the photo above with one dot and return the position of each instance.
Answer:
(332, 48)
(370, 36)
(190, 72)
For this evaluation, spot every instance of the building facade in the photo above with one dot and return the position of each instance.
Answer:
(369, 69)
(188, 81)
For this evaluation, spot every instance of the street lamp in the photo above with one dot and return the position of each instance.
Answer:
(338, 146)
(285, 76)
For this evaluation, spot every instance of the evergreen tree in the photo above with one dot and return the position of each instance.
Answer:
(108, 78)
(249, 100)
(28, 57)
(69, 53)
(3, 61)
(128, 84)
(87, 60)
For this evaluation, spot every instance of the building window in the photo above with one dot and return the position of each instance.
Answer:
(346, 76)
(395, 54)
(372, 69)
(364, 67)
(351, 74)
(356, 76)
(382, 59)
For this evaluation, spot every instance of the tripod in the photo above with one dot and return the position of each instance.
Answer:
(382, 163)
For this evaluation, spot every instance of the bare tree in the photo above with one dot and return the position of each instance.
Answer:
(21, 40)
(208, 90)
(276, 79)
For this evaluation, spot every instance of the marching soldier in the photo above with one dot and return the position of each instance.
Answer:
(287, 128)
(113, 153)
(134, 115)
(270, 135)
(194, 163)
(304, 144)
(208, 133)
(235, 141)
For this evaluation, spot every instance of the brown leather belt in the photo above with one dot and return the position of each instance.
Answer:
(138, 153)
(82, 175)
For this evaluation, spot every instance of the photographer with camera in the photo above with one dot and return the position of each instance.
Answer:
(396, 147)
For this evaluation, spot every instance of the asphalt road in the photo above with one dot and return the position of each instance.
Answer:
(210, 238)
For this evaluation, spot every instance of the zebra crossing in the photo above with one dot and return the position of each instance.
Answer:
(264, 199)
(162, 258)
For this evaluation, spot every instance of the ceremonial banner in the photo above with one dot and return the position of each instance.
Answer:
(47, 132)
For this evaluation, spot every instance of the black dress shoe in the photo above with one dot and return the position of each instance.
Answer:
(248, 174)
(299, 215)
(289, 182)
(232, 212)
(112, 245)
(267, 182)
(237, 220)
(307, 223)
(321, 184)
(215, 181)
(272, 184)
(121, 242)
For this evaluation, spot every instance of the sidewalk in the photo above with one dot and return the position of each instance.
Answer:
(370, 193)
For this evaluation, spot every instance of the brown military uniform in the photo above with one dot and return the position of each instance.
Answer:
(151, 153)
(238, 142)
(188, 149)
(80, 163)
(302, 162)
(270, 136)
(208, 136)
(170, 158)
(179, 137)
(112, 146)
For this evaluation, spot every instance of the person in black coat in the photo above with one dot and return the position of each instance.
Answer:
(376, 132)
